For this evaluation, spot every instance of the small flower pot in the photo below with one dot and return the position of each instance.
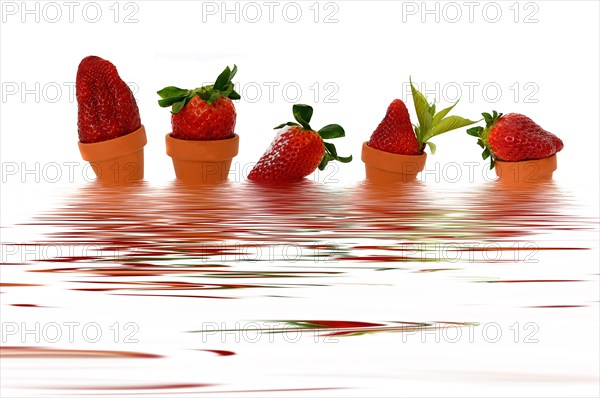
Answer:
(527, 171)
(202, 162)
(117, 161)
(386, 167)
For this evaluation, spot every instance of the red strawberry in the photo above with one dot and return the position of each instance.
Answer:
(514, 137)
(395, 133)
(298, 150)
(106, 106)
(205, 113)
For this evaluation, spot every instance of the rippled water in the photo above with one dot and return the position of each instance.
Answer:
(308, 289)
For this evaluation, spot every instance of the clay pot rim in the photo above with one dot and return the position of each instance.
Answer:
(202, 150)
(114, 148)
(391, 162)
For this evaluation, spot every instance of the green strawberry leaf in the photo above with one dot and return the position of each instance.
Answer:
(178, 106)
(432, 147)
(303, 114)
(234, 95)
(475, 131)
(447, 124)
(204, 92)
(331, 149)
(490, 119)
(223, 79)
(331, 154)
(172, 91)
(326, 158)
(423, 110)
(285, 124)
(442, 114)
(485, 154)
(492, 163)
(233, 72)
(332, 131)
(166, 102)
(212, 97)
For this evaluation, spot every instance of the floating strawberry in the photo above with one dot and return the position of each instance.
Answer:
(205, 113)
(513, 138)
(106, 106)
(298, 150)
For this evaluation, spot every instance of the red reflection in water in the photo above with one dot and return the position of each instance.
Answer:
(43, 352)
(347, 328)
(141, 231)
(29, 306)
(136, 241)
(137, 387)
(221, 353)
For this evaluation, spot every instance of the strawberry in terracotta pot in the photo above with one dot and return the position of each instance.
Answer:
(111, 136)
(395, 151)
(519, 149)
(203, 142)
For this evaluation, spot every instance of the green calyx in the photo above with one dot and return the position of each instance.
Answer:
(482, 135)
(431, 123)
(177, 98)
(303, 114)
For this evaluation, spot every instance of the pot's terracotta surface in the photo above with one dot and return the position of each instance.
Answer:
(117, 161)
(202, 162)
(527, 171)
(384, 167)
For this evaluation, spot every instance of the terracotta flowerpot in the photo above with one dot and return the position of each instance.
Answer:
(117, 161)
(385, 167)
(527, 171)
(202, 162)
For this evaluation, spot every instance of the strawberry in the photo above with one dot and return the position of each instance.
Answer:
(106, 106)
(205, 113)
(298, 150)
(395, 133)
(513, 138)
